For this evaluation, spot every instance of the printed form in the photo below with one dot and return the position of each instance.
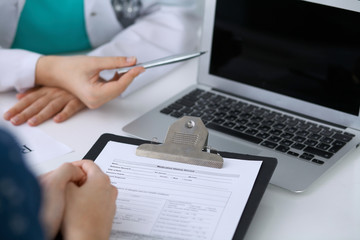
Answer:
(160, 199)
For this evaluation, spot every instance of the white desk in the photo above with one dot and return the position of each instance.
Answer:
(330, 209)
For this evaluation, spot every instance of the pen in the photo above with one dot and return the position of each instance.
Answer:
(164, 61)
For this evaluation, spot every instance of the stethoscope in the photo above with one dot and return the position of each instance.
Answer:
(127, 11)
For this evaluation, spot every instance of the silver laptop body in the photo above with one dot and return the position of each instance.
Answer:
(293, 172)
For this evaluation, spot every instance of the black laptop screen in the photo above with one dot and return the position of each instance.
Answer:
(299, 49)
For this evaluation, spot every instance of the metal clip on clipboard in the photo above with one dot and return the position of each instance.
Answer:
(184, 143)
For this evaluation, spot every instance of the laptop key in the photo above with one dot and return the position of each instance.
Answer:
(286, 142)
(177, 114)
(257, 119)
(196, 114)
(268, 122)
(166, 110)
(240, 128)
(275, 139)
(342, 137)
(207, 118)
(338, 143)
(185, 102)
(302, 133)
(246, 115)
(303, 126)
(252, 125)
(241, 135)
(307, 156)
(311, 142)
(326, 133)
(349, 134)
(279, 126)
(263, 135)
(291, 130)
(315, 136)
(242, 121)
(327, 140)
(175, 106)
(318, 152)
(317, 161)
(231, 117)
(207, 95)
(269, 144)
(251, 131)
(292, 122)
(264, 128)
(276, 132)
(197, 92)
(323, 146)
(186, 111)
(218, 121)
(298, 139)
(229, 124)
(298, 146)
(287, 135)
(335, 149)
(282, 148)
(293, 153)
(315, 129)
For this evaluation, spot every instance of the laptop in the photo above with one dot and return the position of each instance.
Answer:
(280, 78)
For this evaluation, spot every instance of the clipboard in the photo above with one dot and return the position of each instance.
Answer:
(262, 180)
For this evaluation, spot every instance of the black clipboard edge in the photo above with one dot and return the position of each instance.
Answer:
(262, 181)
(266, 171)
(105, 138)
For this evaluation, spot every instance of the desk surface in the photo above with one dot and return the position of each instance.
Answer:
(330, 209)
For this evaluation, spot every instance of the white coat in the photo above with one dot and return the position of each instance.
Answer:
(167, 30)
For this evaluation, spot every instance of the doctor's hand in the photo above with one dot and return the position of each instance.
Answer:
(42, 103)
(80, 75)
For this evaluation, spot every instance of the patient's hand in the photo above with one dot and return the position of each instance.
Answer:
(42, 103)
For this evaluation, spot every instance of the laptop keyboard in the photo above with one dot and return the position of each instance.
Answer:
(284, 133)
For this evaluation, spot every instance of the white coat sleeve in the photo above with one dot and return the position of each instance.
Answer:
(168, 30)
(17, 68)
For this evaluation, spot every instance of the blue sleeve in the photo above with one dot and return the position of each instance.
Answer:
(20, 195)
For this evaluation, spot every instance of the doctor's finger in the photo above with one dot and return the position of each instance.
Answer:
(115, 88)
(115, 62)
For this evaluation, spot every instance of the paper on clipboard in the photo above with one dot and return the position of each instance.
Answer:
(170, 200)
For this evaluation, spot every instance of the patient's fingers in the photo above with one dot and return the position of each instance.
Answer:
(58, 107)
(26, 108)
(41, 104)
(23, 103)
(71, 108)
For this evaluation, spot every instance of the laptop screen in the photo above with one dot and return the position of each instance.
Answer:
(299, 49)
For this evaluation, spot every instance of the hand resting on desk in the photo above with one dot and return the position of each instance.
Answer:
(39, 104)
